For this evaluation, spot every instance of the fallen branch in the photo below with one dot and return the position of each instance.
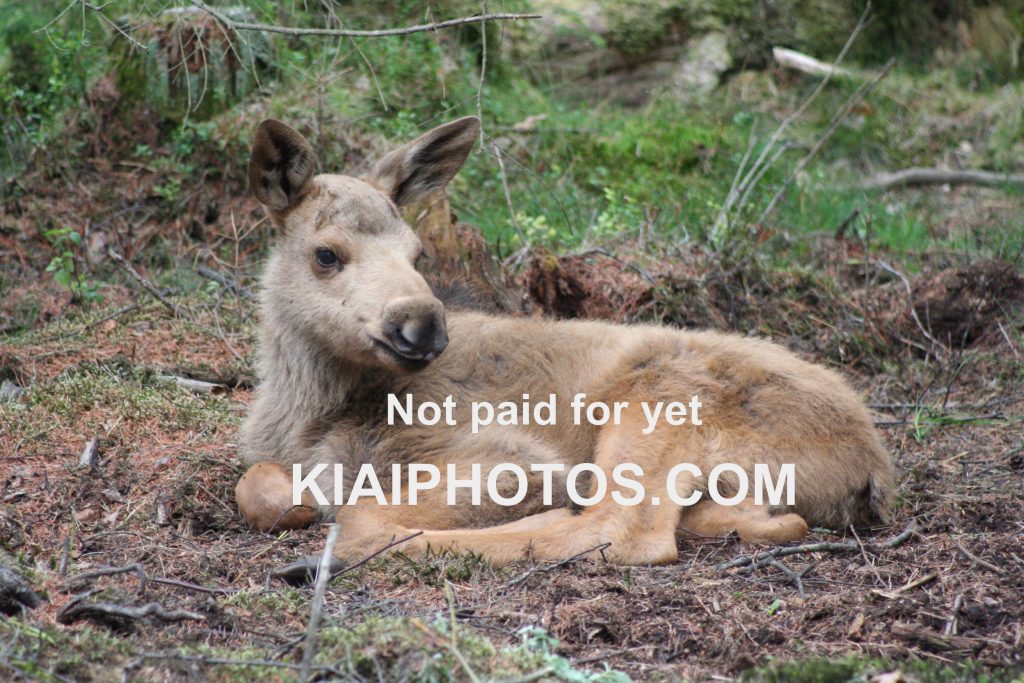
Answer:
(103, 611)
(351, 33)
(798, 61)
(146, 284)
(15, 594)
(753, 561)
(938, 176)
(933, 640)
(196, 386)
(796, 577)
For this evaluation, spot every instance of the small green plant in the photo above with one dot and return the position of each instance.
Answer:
(65, 269)
(537, 644)
(620, 216)
(169, 191)
(536, 229)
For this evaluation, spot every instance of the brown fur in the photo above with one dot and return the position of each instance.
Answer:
(325, 382)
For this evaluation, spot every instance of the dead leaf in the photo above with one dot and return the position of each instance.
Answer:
(856, 626)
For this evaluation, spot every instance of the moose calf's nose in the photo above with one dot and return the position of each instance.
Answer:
(422, 335)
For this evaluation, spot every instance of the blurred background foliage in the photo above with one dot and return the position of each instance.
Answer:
(622, 120)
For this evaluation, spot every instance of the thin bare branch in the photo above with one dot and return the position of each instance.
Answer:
(146, 284)
(840, 116)
(353, 33)
(323, 575)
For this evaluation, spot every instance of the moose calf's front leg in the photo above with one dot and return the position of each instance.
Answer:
(626, 534)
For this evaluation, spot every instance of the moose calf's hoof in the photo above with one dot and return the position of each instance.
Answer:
(264, 497)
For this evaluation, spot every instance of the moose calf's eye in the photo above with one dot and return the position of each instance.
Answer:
(325, 258)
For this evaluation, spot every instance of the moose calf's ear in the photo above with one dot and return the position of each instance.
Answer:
(281, 165)
(418, 168)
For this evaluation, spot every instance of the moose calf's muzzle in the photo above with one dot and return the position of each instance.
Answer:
(415, 328)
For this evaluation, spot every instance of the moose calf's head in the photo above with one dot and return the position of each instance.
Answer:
(343, 272)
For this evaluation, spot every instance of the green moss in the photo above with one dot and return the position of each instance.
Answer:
(858, 670)
(49, 653)
(637, 26)
(414, 650)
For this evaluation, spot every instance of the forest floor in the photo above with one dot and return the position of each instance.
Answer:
(145, 568)
(158, 504)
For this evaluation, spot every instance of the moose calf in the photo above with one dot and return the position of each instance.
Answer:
(347, 320)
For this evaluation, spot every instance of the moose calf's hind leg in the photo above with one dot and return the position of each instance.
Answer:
(264, 497)
(753, 523)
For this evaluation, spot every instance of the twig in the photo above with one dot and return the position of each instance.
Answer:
(302, 569)
(910, 301)
(85, 328)
(110, 571)
(508, 195)
(225, 281)
(146, 284)
(864, 555)
(847, 222)
(323, 575)
(951, 622)
(977, 560)
(551, 567)
(940, 176)
(910, 585)
(376, 553)
(144, 580)
(761, 164)
(944, 419)
(600, 251)
(795, 577)
(378, 33)
(753, 561)
(194, 587)
(840, 116)
(483, 75)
